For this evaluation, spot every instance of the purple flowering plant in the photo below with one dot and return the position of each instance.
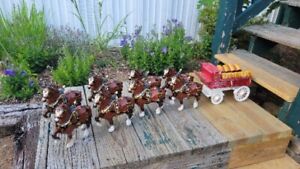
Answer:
(17, 84)
(157, 51)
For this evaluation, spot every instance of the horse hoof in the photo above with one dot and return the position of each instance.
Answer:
(70, 143)
(111, 129)
(98, 123)
(82, 127)
(195, 104)
(142, 114)
(55, 137)
(128, 122)
(180, 108)
(158, 110)
(86, 133)
(172, 101)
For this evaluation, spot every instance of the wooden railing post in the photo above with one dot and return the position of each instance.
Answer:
(225, 21)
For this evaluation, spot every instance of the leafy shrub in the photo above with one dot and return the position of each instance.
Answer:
(74, 40)
(172, 49)
(17, 84)
(74, 69)
(208, 11)
(102, 39)
(22, 38)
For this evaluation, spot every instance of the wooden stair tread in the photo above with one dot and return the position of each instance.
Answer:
(243, 122)
(254, 135)
(276, 33)
(295, 3)
(273, 77)
(280, 163)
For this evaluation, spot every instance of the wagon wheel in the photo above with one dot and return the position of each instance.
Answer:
(242, 93)
(216, 98)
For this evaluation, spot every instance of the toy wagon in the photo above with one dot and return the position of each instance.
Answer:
(217, 79)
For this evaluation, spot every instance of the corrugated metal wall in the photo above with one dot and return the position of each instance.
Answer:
(150, 14)
(147, 13)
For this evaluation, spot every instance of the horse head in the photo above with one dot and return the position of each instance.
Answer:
(136, 86)
(95, 82)
(62, 114)
(135, 74)
(177, 82)
(169, 72)
(50, 94)
(102, 95)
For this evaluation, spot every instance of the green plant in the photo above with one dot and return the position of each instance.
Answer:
(18, 85)
(102, 39)
(208, 10)
(172, 49)
(22, 38)
(73, 70)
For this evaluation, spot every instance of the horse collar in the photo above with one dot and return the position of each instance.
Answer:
(180, 89)
(57, 100)
(69, 122)
(107, 108)
(140, 95)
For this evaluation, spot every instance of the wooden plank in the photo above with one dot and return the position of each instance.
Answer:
(120, 147)
(82, 155)
(31, 134)
(276, 33)
(277, 79)
(280, 163)
(42, 147)
(295, 3)
(251, 153)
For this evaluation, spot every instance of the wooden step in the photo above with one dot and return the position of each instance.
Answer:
(254, 135)
(273, 77)
(294, 3)
(280, 163)
(294, 149)
(276, 33)
(170, 140)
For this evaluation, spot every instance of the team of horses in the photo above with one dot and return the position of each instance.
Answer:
(107, 97)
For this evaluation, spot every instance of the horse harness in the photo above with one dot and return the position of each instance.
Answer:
(53, 105)
(69, 122)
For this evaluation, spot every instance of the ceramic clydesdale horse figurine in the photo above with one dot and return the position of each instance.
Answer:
(181, 90)
(52, 97)
(96, 83)
(110, 106)
(152, 81)
(171, 72)
(143, 94)
(69, 118)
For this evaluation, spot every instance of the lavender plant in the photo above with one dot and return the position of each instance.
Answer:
(17, 84)
(154, 54)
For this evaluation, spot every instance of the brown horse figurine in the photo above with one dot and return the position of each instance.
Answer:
(171, 72)
(96, 83)
(52, 97)
(182, 89)
(152, 81)
(143, 94)
(67, 119)
(110, 106)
